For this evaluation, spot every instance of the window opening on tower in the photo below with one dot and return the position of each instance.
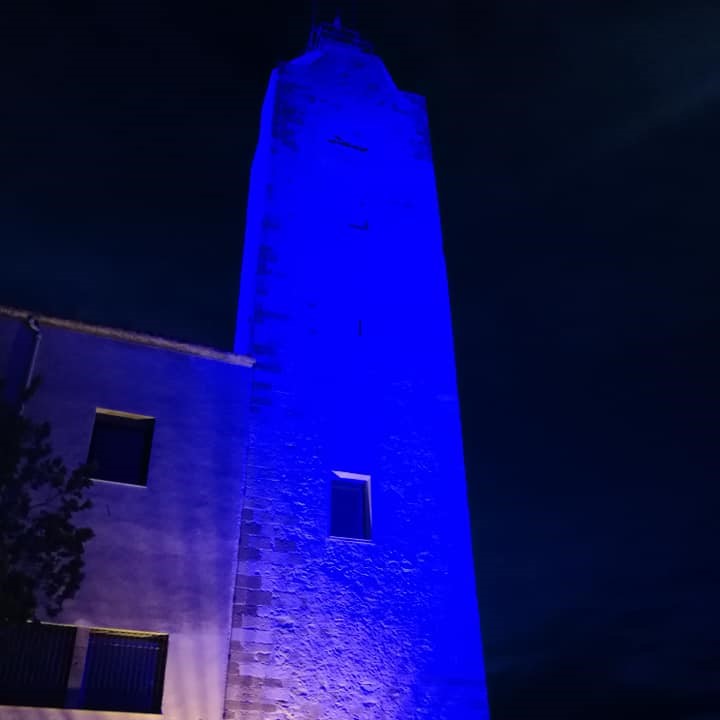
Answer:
(337, 140)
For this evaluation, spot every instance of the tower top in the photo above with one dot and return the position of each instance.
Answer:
(335, 33)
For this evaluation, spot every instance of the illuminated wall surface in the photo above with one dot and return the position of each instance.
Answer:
(163, 557)
(344, 304)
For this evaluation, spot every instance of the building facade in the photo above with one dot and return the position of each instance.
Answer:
(303, 537)
(161, 565)
(344, 306)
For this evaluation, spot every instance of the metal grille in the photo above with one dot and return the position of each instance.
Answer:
(35, 664)
(124, 671)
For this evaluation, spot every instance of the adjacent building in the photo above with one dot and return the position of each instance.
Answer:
(167, 427)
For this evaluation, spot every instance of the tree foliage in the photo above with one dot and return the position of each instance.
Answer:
(41, 549)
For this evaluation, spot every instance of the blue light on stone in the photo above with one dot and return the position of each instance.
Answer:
(344, 304)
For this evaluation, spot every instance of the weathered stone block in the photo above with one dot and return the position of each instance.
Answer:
(248, 581)
(252, 597)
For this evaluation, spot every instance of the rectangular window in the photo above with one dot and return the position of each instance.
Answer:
(35, 663)
(124, 671)
(337, 140)
(350, 512)
(120, 446)
(120, 670)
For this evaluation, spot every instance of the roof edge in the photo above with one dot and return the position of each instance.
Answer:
(128, 336)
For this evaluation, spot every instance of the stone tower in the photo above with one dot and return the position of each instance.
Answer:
(355, 595)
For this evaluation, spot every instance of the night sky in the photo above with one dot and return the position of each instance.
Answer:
(577, 147)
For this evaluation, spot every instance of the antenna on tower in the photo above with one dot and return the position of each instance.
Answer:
(337, 31)
(350, 15)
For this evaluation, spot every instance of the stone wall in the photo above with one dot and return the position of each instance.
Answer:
(349, 321)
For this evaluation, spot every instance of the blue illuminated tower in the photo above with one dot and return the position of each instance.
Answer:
(355, 594)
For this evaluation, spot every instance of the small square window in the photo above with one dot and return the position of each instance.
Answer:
(350, 515)
(120, 447)
(124, 671)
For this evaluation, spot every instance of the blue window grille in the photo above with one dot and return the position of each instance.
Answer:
(35, 661)
(124, 671)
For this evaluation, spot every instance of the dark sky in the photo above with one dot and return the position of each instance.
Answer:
(577, 147)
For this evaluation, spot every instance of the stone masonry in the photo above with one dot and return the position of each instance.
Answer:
(344, 305)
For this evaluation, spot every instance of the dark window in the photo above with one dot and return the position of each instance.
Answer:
(35, 664)
(350, 507)
(120, 447)
(337, 140)
(124, 671)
